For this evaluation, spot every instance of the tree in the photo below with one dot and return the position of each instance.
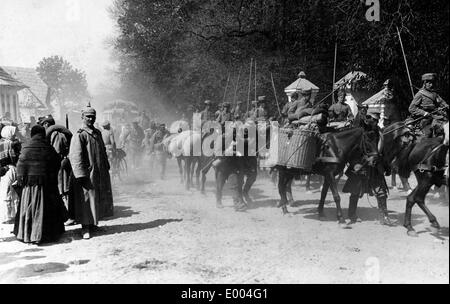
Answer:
(183, 50)
(68, 83)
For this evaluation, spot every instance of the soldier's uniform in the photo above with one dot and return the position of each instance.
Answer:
(238, 112)
(157, 148)
(225, 114)
(424, 103)
(340, 111)
(262, 114)
(366, 176)
(253, 112)
(207, 114)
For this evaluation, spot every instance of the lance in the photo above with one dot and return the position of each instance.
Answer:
(226, 88)
(249, 86)
(275, 93)
(237, 86)
(334, 68)
(255, 79)
(406, 62)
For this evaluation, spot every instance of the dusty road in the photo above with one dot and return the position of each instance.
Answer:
(162, 233)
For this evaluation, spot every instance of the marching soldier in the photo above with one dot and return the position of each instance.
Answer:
(427, 103)
(157, 148)
(340, 111)
(366, 175)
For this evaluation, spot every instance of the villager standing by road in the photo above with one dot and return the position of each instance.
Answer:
(91, 189)
(41, 213)
(9, 154)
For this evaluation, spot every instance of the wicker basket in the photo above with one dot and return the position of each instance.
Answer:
(297, 148)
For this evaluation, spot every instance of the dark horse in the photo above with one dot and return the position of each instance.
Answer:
(425, 157)
(336, 150)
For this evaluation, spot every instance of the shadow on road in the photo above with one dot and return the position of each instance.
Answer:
(121, 212)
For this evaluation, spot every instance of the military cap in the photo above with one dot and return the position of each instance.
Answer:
(136, 120)
(105, 123)
(254, 102)
(239, 102)
(306, 92)
(294, 96)
(428, 77)
(226, 104)
(207, 102)
(262, 98)
(47, 119)
(89, 111)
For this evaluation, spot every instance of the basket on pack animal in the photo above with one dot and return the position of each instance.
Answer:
(297, 148)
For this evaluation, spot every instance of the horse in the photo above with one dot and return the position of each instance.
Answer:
(426, 158)
(337, 149)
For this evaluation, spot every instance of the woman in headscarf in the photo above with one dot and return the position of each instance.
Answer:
(41, 210)
(10, 149)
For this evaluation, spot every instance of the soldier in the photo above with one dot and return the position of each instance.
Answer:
(299, 105)
(262, 114)
(427, 103)
(253, 111)
(110, 143)
(225, 114)
(136, 137)
(340, 111)
(366, 175)
(238, 112)
(391, 106)
(207, 114)
(157, 148)
(91, 187)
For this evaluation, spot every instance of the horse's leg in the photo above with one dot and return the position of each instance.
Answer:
(187, 169)
(220, 182)
(420, 199)
(352, 207)
(251, 179)
(289, 196)
(336, 197)
(308, 183)
(180, 169)
(283, 180)
(239, 204)
(193, 163)
(197, 172)
(323, 196)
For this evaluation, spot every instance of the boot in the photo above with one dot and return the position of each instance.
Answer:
(382, 207)
(353, 205)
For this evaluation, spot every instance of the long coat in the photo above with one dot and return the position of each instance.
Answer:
(89, 160)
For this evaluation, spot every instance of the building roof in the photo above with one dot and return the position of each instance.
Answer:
(31, 79)
(301, 84)
(376, 99)
(8, 80)
(350, 77)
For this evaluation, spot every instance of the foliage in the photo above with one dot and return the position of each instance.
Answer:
(184, 51)
(68, 83)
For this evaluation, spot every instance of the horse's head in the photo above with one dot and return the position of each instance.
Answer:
(396, 137)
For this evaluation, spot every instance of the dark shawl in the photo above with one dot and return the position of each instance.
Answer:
(38, 163)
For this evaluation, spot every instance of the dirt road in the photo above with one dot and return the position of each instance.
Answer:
(162, 233)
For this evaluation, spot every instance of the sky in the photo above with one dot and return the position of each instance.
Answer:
(77, 30)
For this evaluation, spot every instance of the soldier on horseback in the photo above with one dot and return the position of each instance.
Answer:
(157, 148)
(427, 104)
(340, 111)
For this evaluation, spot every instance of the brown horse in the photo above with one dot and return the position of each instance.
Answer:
(337, 150)
(425, 157)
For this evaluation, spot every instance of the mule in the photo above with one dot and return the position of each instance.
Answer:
(426, 158)
(336, 151)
